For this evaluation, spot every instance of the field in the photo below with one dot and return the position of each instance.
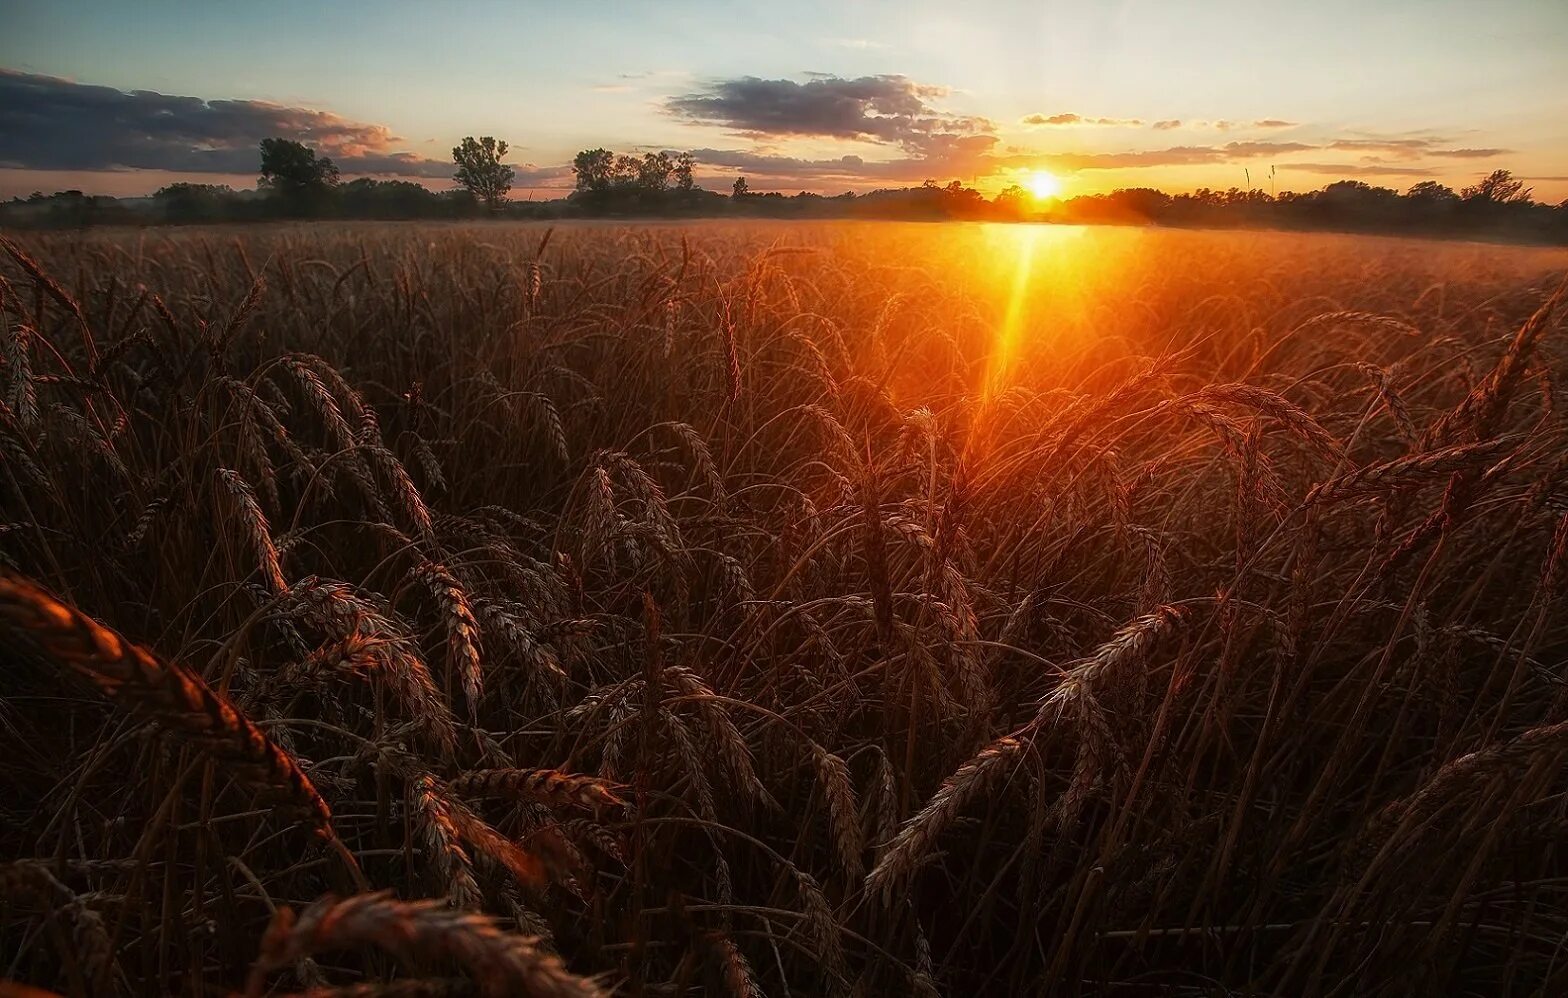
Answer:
(741, 609)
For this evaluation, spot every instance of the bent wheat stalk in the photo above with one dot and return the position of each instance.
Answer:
(501, 963)
(917, 838)
(178, 698)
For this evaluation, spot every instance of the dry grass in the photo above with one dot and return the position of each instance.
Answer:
(770, 609)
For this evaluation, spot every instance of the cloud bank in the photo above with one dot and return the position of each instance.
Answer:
(48, 123)
(887, 109)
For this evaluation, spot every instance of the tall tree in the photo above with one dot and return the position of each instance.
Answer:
(653, 173)
(480, 170)
(683, 166)
(740, 189)
(302, 180)
(595, 168)
(626, 171)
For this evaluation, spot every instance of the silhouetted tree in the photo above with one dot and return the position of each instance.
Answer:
(653, 173)
(193, 202)
(481, 172)
(1498, 187)
(595, 168)
(300, 179)
(739, 189)
(367, 198)
(624, 175)
(960, 201)
(683, 167)
(1431, 192)
(1137, 204)
(634, 183)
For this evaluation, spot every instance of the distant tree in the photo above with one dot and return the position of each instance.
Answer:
(683, 167)
(595, 170)
(184, 202)
(739, 190)
(367, 198)
(961, 201)
(1498, 187)
(1431, 192)
(626, 172)
(288, 164)
(294, 173)
(1355, 194)
(1140, 202)
(480, 170)
(1012, 201)
(653, 172)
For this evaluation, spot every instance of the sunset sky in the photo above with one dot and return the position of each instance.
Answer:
(122, 98)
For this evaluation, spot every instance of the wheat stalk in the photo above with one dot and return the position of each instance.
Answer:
(162, 690)
(500, 963)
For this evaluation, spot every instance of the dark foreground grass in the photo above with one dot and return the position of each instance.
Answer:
(780, 610)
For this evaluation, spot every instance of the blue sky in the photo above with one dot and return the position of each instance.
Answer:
(1390, 92)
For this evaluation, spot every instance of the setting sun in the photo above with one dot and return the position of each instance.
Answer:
(1043, 185)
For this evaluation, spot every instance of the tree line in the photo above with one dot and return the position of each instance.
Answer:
(297, 182)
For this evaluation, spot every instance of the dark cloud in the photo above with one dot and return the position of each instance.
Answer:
(1167, 124)
(1077, 119)
(851, 170)
(888, 109)
(53, 124)
(772, 165)
(1273, 123)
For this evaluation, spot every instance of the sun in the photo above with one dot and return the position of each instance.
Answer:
(1043, 185)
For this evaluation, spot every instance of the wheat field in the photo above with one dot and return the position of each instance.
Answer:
(770, 609)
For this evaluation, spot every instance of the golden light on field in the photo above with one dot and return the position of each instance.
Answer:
(1007, 335)
(1043, 267)
(1044, 185)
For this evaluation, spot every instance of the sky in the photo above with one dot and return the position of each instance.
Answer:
(123, 96)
